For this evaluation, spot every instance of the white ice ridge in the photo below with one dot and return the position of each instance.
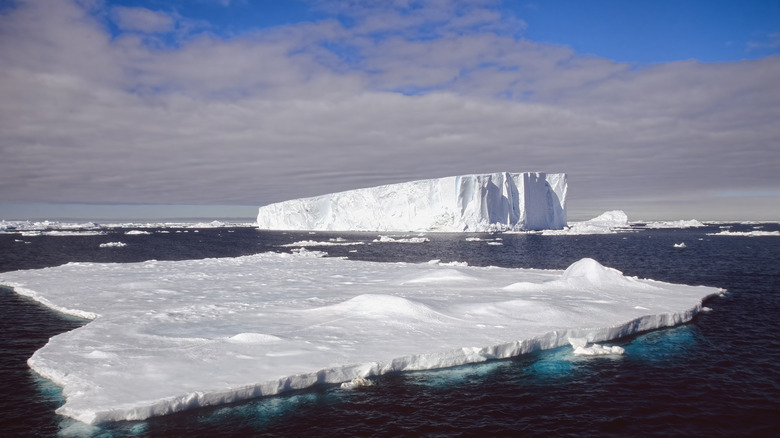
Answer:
(490, 202)
(173, 335)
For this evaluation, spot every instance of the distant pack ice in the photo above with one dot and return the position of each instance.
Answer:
(489, 202)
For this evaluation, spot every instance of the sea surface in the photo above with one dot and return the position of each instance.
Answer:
(718, 375)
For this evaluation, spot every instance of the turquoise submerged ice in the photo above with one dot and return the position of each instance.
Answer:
(489, 202)
(172, 335)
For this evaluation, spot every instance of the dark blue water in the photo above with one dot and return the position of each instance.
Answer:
(716, 376)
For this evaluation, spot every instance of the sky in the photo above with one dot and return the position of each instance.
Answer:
(663, 109)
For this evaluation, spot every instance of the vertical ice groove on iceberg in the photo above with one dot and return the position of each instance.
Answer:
(484, 202)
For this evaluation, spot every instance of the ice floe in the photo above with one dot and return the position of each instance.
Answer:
(165, 336)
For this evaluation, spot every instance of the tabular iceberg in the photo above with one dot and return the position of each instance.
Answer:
(488, 202)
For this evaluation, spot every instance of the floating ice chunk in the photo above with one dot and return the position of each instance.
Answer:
(309, 253)
(357, 382)
(136, 232)
(113, 245)
(746, 233)
(581, 348)
(384, 239)
(693, 223)
(306, 243)
(599, 350)
(680, 245)
(606, 223)
(69, 233)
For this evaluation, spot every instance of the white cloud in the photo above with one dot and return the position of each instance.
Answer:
(142, 20)
(770, 42)
(274, 114)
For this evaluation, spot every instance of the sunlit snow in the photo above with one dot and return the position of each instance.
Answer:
(172, 335)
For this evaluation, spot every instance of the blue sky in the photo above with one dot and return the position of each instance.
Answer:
(644, 32)
(665, 109)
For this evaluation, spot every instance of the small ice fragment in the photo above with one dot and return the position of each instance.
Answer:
(357, 382)
(679, 245)
(581, 348)
(113, 245)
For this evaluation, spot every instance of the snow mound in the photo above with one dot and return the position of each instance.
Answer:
(487, 202)
(382, 307)
(590, 272)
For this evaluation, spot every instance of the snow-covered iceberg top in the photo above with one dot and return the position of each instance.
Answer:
(172, 335)
(489, 202)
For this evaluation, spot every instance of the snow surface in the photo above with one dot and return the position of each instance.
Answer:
(490, 202)
(172, 335)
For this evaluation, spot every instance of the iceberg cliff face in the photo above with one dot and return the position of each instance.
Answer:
(489, 202)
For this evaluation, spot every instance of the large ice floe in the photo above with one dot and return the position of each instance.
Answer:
(165, 336)
(490, 202)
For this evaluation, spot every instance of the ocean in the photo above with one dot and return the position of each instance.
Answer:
(715, 376)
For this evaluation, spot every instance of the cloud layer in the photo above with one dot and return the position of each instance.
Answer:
(163, 110)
